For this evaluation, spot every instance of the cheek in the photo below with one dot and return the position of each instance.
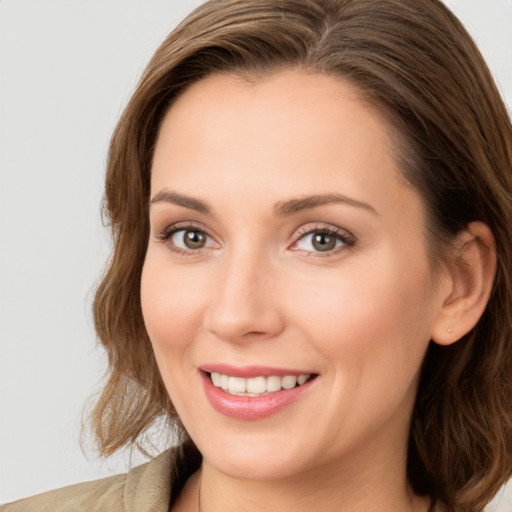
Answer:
(374, 312)
(171, 304)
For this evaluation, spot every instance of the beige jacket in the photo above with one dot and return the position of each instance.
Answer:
(151, 487)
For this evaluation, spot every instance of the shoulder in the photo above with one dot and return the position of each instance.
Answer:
(88, 496)
(143, 488)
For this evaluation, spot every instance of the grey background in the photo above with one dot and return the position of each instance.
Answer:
(67, 68)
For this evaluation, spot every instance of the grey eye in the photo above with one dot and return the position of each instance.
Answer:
(317, 241)
(189, 239)
(323, 241)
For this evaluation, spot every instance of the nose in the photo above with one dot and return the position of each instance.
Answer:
(244, 304)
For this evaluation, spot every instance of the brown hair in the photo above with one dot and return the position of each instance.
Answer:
(416, 63)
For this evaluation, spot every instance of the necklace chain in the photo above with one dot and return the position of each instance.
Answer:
(199, 508)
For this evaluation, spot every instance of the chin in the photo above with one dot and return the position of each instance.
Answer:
(252, 457)
(258, 467)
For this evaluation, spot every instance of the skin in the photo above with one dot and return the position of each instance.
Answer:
(260, 293)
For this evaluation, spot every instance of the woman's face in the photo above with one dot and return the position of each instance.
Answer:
(284, 248)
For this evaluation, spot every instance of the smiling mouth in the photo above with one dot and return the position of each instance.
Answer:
(258, 386)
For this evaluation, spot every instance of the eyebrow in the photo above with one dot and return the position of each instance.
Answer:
(281, 209)
(285, 208)
(181, 200)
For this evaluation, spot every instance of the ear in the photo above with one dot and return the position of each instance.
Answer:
(470, 274)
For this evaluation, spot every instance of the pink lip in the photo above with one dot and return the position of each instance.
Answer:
(252, 408)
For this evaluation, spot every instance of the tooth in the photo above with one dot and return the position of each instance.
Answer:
(257, 385)
(236, 385)
(301, 379)
(273, 384)
(289, 382)
(216, 378)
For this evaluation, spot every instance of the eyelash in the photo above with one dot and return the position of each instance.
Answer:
(165, 235)
(343, 236)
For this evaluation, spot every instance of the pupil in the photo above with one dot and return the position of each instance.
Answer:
(194, 239)
(323, 242)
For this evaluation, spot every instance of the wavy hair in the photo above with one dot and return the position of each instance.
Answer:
(414, 61)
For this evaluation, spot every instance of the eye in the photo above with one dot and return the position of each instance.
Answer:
(189, 239)
(323, 240)
(186, 239)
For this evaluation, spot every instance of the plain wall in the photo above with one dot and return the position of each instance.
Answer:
(67, 68)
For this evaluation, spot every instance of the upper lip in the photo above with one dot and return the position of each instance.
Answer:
(248, 372)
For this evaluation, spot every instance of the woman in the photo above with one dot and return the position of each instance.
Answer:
(311, 280)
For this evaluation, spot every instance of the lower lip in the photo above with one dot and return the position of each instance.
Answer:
(248, 407)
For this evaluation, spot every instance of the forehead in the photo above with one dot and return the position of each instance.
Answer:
(311, 120)
(277, 96)
(254, 144)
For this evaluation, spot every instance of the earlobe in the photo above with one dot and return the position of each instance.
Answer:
(470, 274)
